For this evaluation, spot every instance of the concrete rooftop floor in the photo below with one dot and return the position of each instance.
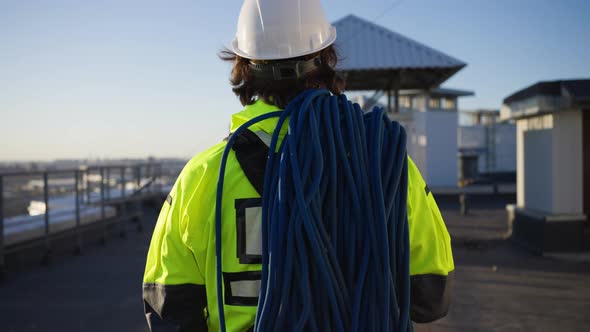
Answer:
(498, 287)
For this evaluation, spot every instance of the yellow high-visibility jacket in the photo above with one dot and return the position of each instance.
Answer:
(179, 284)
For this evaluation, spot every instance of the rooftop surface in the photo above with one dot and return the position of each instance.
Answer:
(498, 287)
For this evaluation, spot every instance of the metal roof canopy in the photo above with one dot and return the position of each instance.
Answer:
(579, 90)
(375, 58)
(563, 94)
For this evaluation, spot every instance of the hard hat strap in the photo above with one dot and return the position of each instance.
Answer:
(284, 70)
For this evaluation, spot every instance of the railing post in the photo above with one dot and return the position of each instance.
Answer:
(463, 202)
(123, 211)
(87, 186)
(47, 258)
(78, 249)
(159, 178)
(138, 174)
(108, 183)
(2, 263)
(147, 176)
(102, 207)
(137, 202)
(123, 183)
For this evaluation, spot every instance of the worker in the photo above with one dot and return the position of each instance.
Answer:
(282, 48)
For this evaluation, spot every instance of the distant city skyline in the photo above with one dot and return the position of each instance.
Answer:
(132, 79)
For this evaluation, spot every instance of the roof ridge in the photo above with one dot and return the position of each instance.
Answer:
(411, 42)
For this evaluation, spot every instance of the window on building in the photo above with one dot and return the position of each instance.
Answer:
(418, 102)
(405, 101)
(449, 103)
(434, 103)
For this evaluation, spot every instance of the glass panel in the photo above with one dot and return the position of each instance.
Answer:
(405, 101)
(434, 103)
(418, 102)
(449, 103)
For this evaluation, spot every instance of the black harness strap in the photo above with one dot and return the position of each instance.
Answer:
(285, 70)
(252, 154)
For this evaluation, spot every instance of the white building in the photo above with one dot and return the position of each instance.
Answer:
(492, 142)
(553, 164)
(430, 119)
(409, 75)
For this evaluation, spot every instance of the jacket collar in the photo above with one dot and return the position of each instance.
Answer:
(254, 110)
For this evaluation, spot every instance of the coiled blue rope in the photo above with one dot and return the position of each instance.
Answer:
(335, 251)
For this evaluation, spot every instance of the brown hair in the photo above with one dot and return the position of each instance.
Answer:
(248, 88)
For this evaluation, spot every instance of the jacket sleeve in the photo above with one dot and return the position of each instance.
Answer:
(174, 293)
(431, 258)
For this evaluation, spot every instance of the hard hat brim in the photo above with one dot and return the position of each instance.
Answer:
(270, 56)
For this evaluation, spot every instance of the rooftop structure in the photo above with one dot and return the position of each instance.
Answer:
(375, 58)
(547, 97)
(491, 142)
(484, 117)
(553, 164)
(437, 99)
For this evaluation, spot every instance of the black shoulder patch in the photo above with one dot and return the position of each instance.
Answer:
(252, 153)
(427, 190)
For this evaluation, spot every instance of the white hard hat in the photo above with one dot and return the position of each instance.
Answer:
(282, 29)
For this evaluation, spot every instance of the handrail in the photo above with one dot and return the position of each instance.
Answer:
(81, 186)
(147, 184)
(79, 169)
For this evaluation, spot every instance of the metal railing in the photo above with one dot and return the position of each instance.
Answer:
(90, 196)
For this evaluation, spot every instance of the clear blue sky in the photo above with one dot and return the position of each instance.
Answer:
(121, 78)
